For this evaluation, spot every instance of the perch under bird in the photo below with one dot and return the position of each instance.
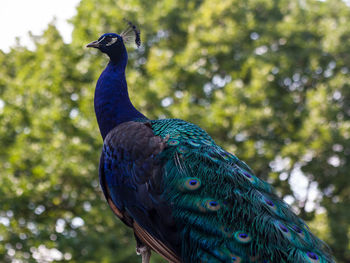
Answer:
(185, 197)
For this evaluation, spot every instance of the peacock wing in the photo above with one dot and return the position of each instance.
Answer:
(131, 179)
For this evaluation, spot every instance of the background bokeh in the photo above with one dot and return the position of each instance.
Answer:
(268, 79)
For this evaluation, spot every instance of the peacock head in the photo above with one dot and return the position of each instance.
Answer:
(107, 43)
(113, 44)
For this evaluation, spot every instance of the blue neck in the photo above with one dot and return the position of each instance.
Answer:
(112, 103)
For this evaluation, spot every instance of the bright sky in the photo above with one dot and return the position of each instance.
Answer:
(17, 17)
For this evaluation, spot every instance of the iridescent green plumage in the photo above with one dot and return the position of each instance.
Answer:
(225, 212)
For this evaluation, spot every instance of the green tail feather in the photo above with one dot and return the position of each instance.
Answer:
(227, 214)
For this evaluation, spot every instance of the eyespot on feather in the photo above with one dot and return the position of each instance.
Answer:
(271, 205)
(242, 237)
(208, 205)
(173, 142)
(312, 257)
(212, 205)
(248, 176)
(191, 184)
(284, 230)
(235, 258)
(299, 231)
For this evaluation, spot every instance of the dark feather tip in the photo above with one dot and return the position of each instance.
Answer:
(132, 29)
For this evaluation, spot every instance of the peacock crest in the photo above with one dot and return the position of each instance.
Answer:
(131, 34)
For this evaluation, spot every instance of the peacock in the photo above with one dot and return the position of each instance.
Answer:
(184, 196)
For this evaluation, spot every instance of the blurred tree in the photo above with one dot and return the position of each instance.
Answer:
(267, 79)
(51, 206)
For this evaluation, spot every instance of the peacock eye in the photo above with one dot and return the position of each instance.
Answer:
(112, 41)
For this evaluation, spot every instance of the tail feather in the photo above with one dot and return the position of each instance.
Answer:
(227, 213)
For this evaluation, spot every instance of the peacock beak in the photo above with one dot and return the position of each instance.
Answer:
(94, 44)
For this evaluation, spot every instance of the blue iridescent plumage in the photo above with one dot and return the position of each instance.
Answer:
(184, 196)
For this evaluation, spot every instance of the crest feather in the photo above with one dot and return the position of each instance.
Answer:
(131, 34)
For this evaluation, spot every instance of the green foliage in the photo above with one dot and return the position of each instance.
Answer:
(268, 80)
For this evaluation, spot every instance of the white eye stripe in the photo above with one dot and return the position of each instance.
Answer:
(113, 40)
(101, 39)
